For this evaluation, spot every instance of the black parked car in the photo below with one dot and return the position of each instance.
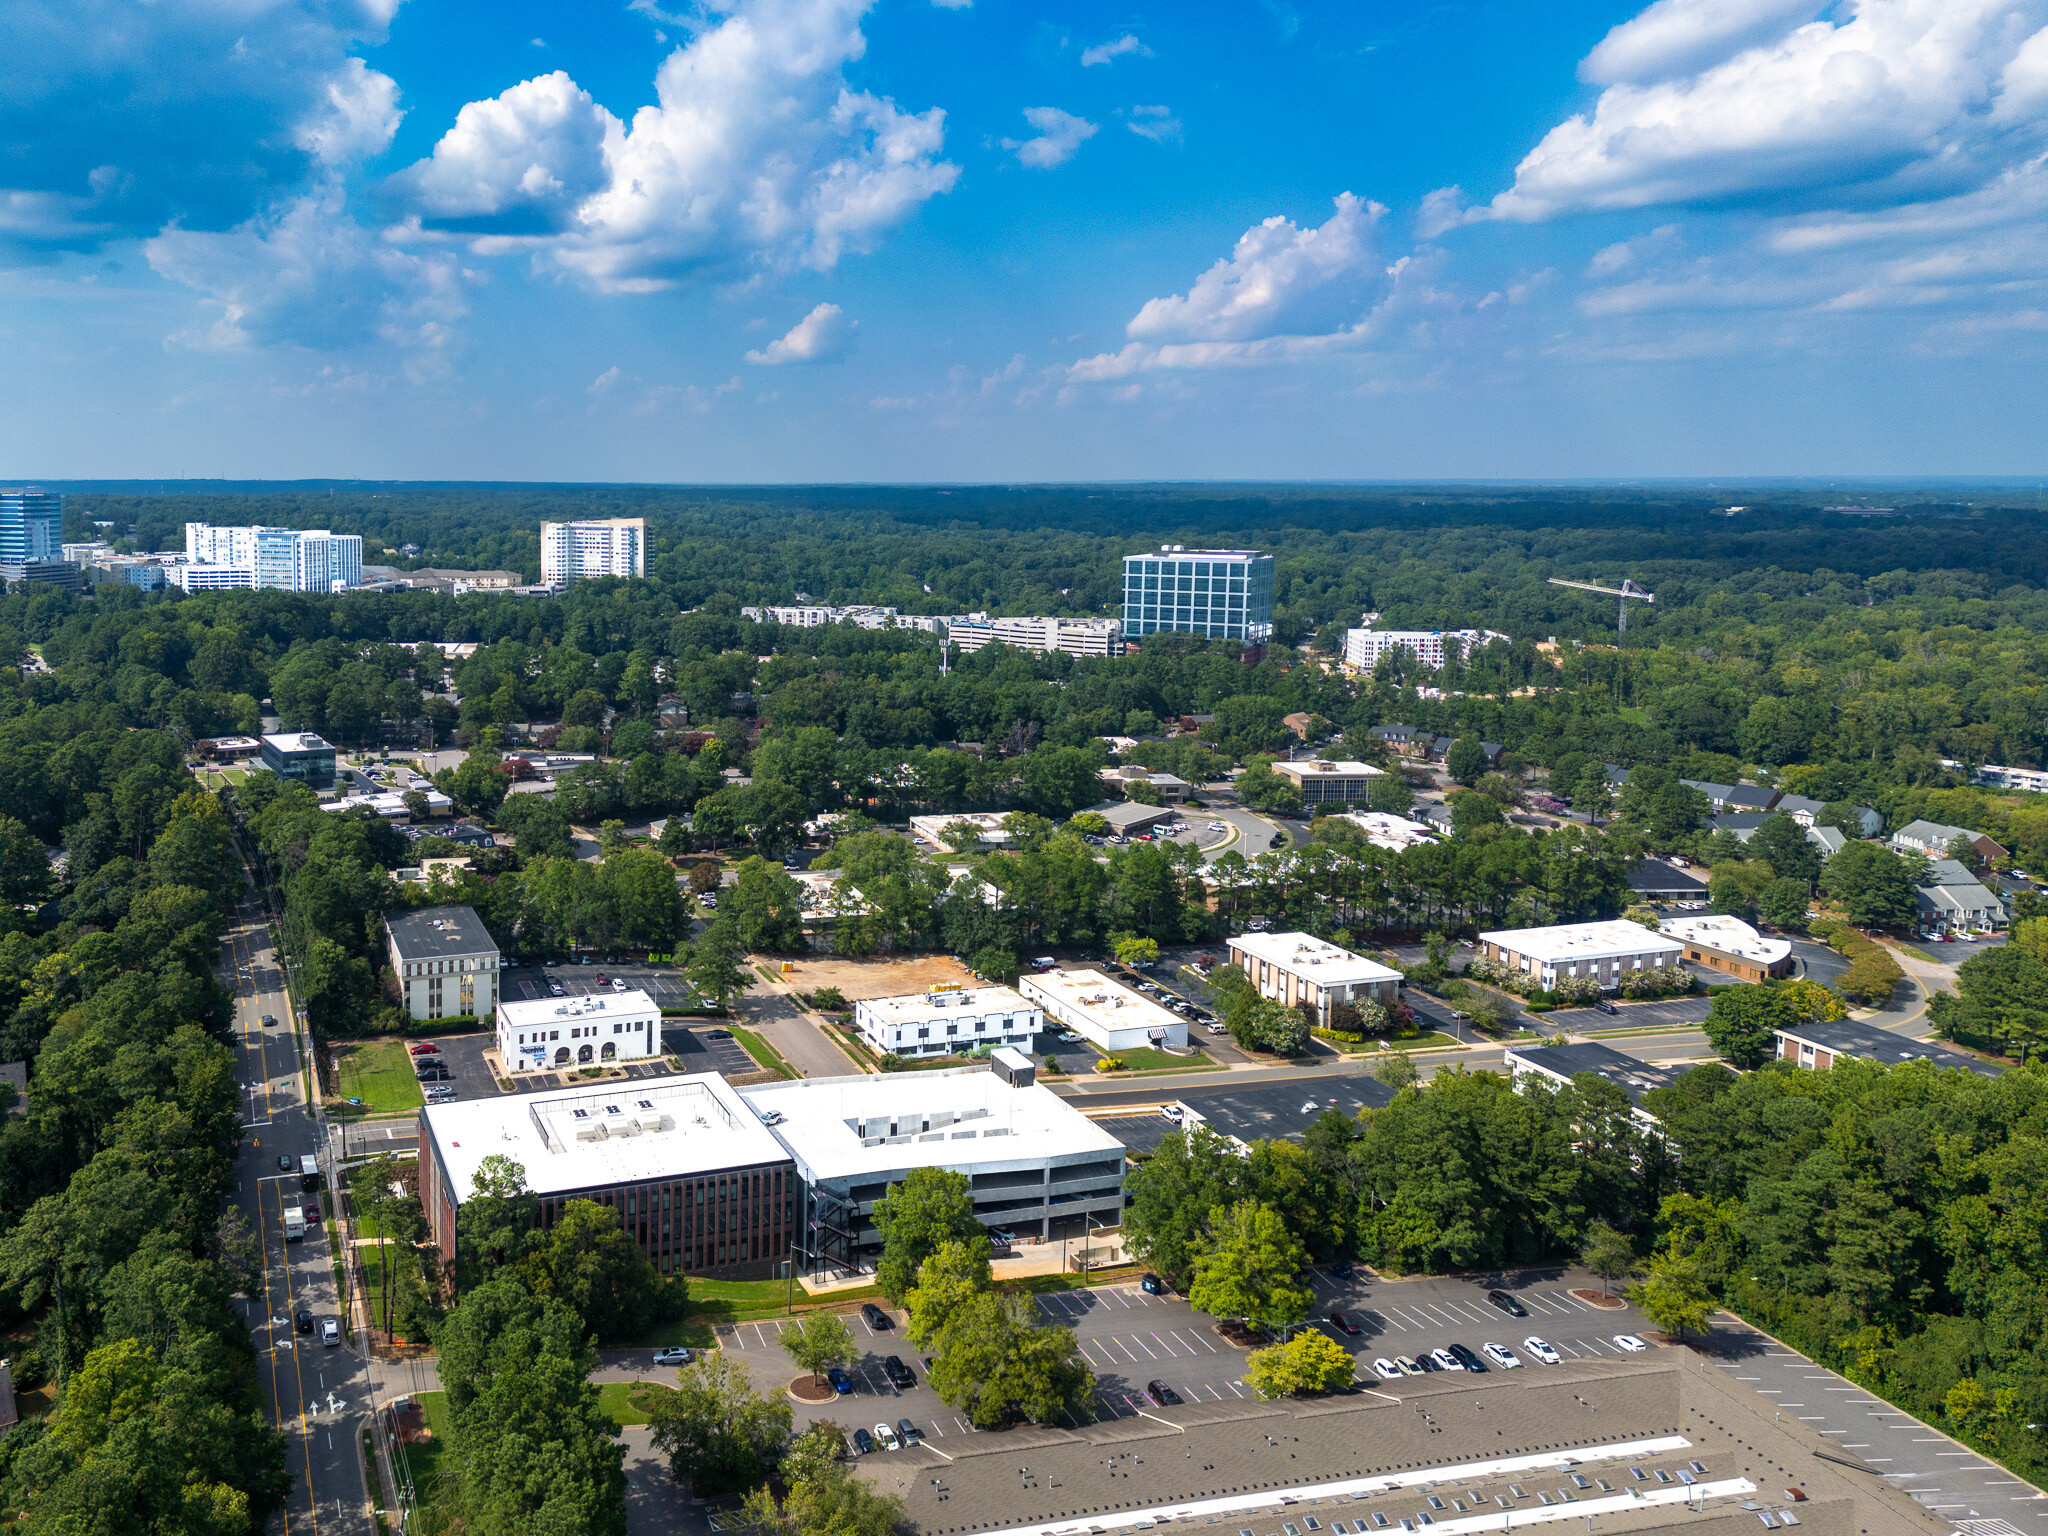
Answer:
(1469, 1360)
(875, 1317)
(1507, 1303)
(900, 1375)
(1161, 1394)
(863, 1442)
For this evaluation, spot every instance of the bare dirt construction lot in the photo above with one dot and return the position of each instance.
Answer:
(884, 976)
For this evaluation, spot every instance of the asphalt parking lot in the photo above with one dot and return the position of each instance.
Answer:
(1688, 1011)
(1130, 1339)
(699, 1052)
(660, 981)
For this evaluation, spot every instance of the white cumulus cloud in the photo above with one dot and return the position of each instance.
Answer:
(358, 118)
(1899, 99)
(757, 154)
(825, 335)
(1060, 134)
(1155, 123)
(1103, 53)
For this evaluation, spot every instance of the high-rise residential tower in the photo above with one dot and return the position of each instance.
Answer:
(285, 559)
(1220, 594)
(613, 546)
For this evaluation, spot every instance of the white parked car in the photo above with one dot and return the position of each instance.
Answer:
(1069, 1037)
(1219, 826)
(1388, 1371)
(1407, 1366)
(1501, 1356)
(1541, 1350)
(885, 1437)
(1446, 1360)
(618, 985)
(1629, 1342)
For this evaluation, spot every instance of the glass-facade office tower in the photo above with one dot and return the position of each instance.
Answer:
(285, 559)
(31, 524)
(1220, 594)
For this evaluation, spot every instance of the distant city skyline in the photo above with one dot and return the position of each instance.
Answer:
(980, 241)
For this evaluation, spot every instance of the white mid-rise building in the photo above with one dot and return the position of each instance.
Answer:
(613, 546)
(1073, 637)
(553, 1032)
(2033, 780)
(1298, 968)
(280, 559)
(211, 578)
(947, 1021)
(1321, 782)
(1363, 648)
(1110, 1016)
(1598, 950)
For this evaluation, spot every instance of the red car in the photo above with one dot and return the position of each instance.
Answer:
(601, 981)
(426, 1048)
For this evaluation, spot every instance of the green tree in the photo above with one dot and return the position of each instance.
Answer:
(1250, 1267)
(717, 966)
(956, 1272)
(1465, 761)
(997, 1363)
(720, 1435)
(1137, 952)
(1742, 1025)
(1471, 811)
(1783, 844)
(1608, 1254)
(1674, 1296)
(1396, 1069)
(1390, 793)
(1264, 790)
(595, 1266)
(1307, 1365)
(1784, 903)
(1874, 886)
(931, 1207)
(818, 1342)
(766, 909)
(1188, 1174)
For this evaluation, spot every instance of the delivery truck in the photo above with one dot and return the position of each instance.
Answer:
(294, 1223)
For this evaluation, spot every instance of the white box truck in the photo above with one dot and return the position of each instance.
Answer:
(294, 1223)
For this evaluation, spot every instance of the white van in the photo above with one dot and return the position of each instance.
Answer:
(1043, 963)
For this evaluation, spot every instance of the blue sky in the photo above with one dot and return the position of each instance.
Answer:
(819, 239)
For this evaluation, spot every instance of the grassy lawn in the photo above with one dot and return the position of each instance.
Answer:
(379, 1072)
(763, 1053)
(1429, 1041)
(631, 1402)
(422, 1461)
(1144, 1059)
(719, 1303)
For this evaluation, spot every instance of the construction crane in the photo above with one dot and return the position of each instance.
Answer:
(1628, 592)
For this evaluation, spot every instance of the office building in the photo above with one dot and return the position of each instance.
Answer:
(1819, 1045)
(1385, 830)
(1365, 648)
(446, 963)
(1555, 1064)
(299, 755)
(1324, 783)
(1301, 970)
(988, 827)
(1599, 950)
(2033, 781)
(31, 524)
(1219, 594)
(1729, 944)
(56, 573)
(1110, 1016)
(946, 1021)
(556, 1032)
(1038, 1167)
(817, 615)
(613, 546)
(277, 559)
(696, 1179)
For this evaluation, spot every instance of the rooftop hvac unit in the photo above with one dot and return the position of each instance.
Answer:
(592, 1130)
(653, 1121)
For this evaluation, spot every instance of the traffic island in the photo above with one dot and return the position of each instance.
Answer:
(811, 1389)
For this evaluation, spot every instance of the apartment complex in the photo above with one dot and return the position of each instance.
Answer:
(1323, 783)
(1301, 970)
(446, 962)
(1073, 637)
(280, 559)
(1219, 594)
(613, 546)
(31, 524)
(1364, 648)
(2033, 781)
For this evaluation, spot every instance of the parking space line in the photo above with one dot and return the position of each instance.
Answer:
(1235, 1388)
(1143, 1345)
(1200, 1340)
(1569, 1301)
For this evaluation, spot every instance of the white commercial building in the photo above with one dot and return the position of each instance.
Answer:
(613, 546)
(1074, 637)
(1600, 950)
(1384, 830)
(946, 1021)
(987, 824)
(817, 615)
(1298, 968)
(694, 1176)
(1725, 943)
(280, 559)
(1038, 1167)
(446, 962)
(211, 578)
(2033, 780)
(1321, 782)
(553, 1032)
(1363, 648)
(1111, 1017)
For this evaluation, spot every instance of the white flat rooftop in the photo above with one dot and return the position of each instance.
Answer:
(839, 1126)
(1730, 935)
(1316, 959)
(543, 1011)
(1383, 829)
(973, 1002)
(1105, 1003)
(619, 1133)
(1583, 941)
(1322, 770)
